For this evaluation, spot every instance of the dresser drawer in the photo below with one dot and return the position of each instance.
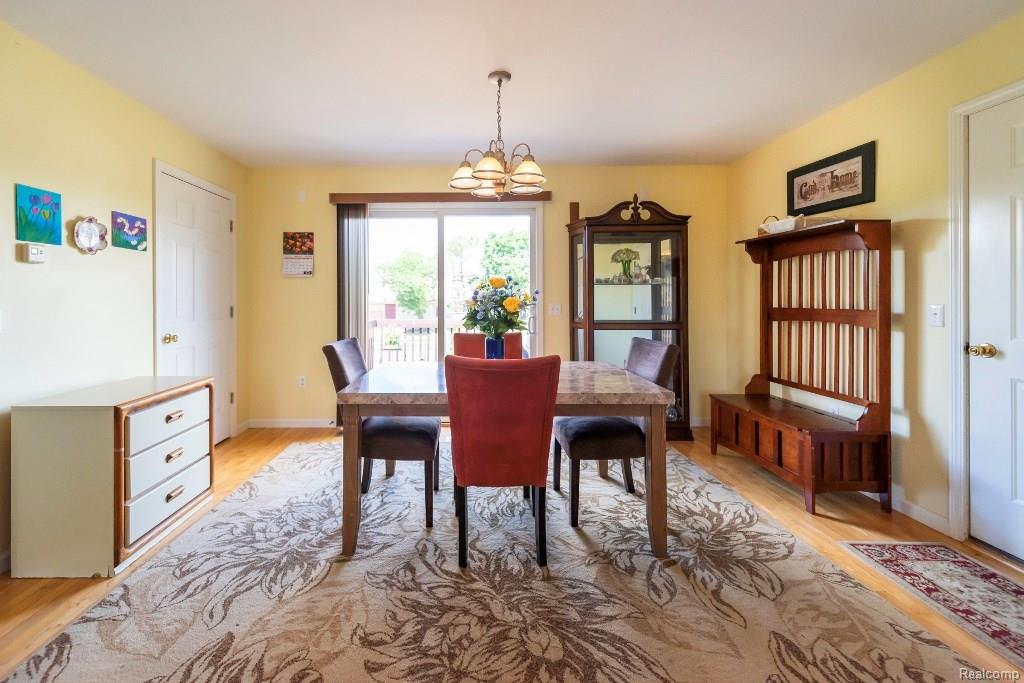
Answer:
(153, 465)
(164, 420)
(164, 500)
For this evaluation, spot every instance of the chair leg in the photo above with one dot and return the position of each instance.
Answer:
(526, 493)
(437, 469)
(557, 468)
(627, 475)
(460, 511)
(540, 526)
(367, 472)
(574, 492)
(428, 490)
(455, 484)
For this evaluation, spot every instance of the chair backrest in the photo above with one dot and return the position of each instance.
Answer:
(514, 345)
(468, 345)
(471, 345)
(653, 360)
(345, 359)
(501, 415)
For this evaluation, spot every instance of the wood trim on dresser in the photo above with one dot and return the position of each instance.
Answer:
(123, 551)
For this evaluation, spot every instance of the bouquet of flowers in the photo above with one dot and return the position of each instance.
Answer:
(626, 257)
(496, 305)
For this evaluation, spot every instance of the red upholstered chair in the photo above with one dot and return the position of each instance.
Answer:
(501, 416)
(471, 345)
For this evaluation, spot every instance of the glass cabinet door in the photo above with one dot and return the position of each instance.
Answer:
(634, 276)
(578, 268)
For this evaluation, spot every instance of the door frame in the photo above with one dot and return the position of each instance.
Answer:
(162, 167)
(436, 209)
(959, 315)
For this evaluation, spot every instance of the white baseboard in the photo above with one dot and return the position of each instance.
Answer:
(273, 423)
(700, 421)
(915, 512)
(5, 560)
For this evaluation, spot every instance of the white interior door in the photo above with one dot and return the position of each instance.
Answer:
(195, 285)
(996, 294)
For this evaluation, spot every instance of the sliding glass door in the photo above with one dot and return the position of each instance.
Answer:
(422, 265)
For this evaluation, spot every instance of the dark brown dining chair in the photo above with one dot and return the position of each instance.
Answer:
(384, 437)
(612, 438)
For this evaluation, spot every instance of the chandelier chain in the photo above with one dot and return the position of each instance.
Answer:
(499, 140)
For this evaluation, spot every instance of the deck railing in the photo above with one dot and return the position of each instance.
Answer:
(406, 340)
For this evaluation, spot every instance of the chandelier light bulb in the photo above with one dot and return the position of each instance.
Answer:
(485, 190)
(488, 168)
(463, 178)
(528, 172)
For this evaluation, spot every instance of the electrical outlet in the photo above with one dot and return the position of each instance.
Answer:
(302, 381)
(936, 315)
(554, 309)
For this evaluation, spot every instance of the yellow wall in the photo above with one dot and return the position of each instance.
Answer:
(77, 319)
(287, 320)
(909, 117)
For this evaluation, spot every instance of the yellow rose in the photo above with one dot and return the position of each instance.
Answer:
(497, 281)
(511, 304)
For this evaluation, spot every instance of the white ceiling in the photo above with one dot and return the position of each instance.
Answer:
(404, 81)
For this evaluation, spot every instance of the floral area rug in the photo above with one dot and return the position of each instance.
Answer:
(256, 591)
(981, 600)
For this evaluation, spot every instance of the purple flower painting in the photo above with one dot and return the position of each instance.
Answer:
(37, 215)
(129, 231)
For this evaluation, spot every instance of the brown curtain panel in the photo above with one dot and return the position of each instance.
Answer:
(353, 231)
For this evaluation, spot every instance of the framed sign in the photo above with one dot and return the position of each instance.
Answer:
(844, 179)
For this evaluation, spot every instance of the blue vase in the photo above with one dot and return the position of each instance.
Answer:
(494, 347)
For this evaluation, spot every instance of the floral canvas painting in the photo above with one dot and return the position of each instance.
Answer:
(37, 215)
(129, 231)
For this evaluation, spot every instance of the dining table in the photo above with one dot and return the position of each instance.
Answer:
(584, 388)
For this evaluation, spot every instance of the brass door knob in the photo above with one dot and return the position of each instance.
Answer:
(982, 350)
(170, 338)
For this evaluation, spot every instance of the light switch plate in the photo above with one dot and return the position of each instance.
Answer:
(936, 315)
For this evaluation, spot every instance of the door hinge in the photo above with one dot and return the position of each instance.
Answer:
(232, 398)
(231, 311)
(231, 226)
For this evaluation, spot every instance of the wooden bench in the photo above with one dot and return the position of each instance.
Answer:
(824, 329)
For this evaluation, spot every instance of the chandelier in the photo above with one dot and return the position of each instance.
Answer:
(495, 175)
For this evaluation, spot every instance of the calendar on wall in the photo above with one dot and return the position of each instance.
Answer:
(297, 254)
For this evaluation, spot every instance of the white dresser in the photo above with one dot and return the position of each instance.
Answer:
(100, 474)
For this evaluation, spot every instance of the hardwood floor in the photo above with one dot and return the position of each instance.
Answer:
(34, 610)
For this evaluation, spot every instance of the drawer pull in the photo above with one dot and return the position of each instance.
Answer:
(174, 417)
(177, 491)
(174, 455)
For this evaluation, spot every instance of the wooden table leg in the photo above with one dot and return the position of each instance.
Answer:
(351, 509)
(389, 468)
(656, 493)
(602, 469)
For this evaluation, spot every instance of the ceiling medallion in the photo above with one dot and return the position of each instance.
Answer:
(494, 175)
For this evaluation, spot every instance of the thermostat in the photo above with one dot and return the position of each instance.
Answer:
(32, 253)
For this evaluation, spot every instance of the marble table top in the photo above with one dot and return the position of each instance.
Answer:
(579, 383)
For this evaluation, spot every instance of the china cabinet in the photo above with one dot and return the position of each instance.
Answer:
(628, 279)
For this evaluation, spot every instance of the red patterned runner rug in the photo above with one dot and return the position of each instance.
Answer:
(983, 601)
